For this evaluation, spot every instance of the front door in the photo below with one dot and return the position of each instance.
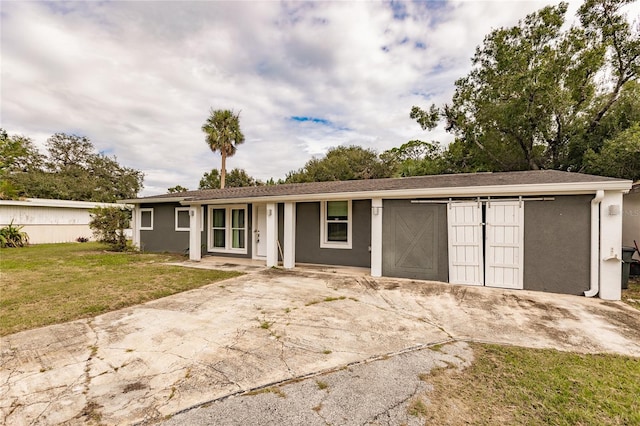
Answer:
(260, 230)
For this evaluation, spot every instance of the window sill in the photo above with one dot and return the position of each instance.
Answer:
(343, 246)
(227, 251)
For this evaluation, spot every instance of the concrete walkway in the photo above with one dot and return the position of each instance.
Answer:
(146, 362)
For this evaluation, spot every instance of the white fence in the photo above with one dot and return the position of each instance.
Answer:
(50, 221)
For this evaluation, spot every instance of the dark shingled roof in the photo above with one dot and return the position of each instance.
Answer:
(534, 177)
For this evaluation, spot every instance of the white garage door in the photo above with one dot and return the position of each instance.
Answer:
(504, 244)
(465, 243)
(495, 260)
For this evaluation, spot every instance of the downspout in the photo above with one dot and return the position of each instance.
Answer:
(595, 244)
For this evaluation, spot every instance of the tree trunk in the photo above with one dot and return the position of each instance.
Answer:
(223, 170)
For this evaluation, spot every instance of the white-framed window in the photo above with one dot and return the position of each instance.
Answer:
(146, 219)
(335, 224)
(183, 219)
(228, 229)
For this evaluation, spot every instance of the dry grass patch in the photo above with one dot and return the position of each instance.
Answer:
(631, 295)
(326, 299)
(417, 408)
(519, 386)
(272, 389)
(53, 283)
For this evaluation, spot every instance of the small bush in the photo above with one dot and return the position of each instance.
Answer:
(108, 225)
(12, 236)
(82, 239)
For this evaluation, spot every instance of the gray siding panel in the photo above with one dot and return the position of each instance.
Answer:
(414, 240)
(557, 244)
(308, 237)
(164, 237)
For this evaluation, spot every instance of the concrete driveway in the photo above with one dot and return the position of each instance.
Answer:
(147, 362)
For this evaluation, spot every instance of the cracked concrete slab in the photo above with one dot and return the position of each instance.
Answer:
(379, 392)
(146, 362)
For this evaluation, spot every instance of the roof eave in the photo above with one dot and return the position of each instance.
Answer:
(571, 188)
(51, 203)
(154, 200)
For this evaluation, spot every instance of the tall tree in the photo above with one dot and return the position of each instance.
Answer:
(239, 177)
(71, 171)
(223, 134)
(538, 93)
(67, 152)
(210, 180)
(236, 178)
(176, 189)
(18, 156)
(619, 157)
(18, 153)
(342, 163)
(415, 158)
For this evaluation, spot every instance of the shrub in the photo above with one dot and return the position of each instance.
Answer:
(12, 236)
(82, 239)
(108, 225)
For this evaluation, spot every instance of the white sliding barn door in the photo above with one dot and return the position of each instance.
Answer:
(504, 244)
(465, 243)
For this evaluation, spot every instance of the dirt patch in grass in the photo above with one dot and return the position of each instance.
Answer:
(510, 385)
(53, 283)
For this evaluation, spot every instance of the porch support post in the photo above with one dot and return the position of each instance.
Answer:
(195, 235)
(135, 225)
(611, 246)
(272, 235)
(376, 237)
(289, 243)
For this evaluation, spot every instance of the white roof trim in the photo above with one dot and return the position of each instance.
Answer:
(572, 188)
(154, 200)
(42, 202)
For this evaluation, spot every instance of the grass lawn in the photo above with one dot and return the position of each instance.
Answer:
(632, 294)
(511, 385)
(53, 283)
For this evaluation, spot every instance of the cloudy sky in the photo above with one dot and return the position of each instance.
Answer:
(138, 78)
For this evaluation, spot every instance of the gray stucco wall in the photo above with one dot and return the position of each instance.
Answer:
(557, 246)
(164, 237)
(308, 236)
(414, 240)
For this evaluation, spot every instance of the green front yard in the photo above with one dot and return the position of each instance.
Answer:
(520, 386)
(631, 295)
(53, 283)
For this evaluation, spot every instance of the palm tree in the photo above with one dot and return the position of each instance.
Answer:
(223, 134)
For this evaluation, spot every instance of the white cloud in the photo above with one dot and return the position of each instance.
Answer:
(139, 78)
